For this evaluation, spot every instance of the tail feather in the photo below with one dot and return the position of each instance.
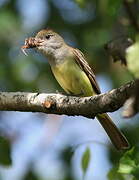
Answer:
(116, 136)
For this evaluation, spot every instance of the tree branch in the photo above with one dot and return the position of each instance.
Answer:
(69, 105)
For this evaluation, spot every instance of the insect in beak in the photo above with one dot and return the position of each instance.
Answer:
(31, 43)
(23, 48)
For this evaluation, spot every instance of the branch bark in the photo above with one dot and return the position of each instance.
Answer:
(68, 105)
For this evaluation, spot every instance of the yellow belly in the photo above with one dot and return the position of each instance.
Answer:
(72, 79)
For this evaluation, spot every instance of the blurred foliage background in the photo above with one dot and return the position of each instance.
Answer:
(39, 147)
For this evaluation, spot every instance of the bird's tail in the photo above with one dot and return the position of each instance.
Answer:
(116, 136)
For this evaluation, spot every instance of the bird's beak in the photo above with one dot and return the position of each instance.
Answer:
(31, 42)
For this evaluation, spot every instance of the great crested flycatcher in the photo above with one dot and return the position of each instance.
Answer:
(74, 75)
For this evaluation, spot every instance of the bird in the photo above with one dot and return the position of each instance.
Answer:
(75, 76)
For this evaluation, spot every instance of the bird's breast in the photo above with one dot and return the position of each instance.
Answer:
(72, 78)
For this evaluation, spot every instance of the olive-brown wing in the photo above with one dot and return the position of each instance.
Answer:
(80, 59)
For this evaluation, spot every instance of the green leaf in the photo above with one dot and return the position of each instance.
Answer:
(128, 167)
(114, 175)
(86, 160)
(132, 56)
(5, 152)
(129, 163)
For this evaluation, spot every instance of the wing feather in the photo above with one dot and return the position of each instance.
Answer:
(80, 59)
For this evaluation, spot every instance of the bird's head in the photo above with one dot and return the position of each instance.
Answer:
(49, 41)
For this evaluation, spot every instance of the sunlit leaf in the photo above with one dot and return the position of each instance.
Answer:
(114, 175)
(132, 56)
(129, 163)
(86, 160)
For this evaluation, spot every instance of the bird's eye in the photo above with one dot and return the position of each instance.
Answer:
(48, 36)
